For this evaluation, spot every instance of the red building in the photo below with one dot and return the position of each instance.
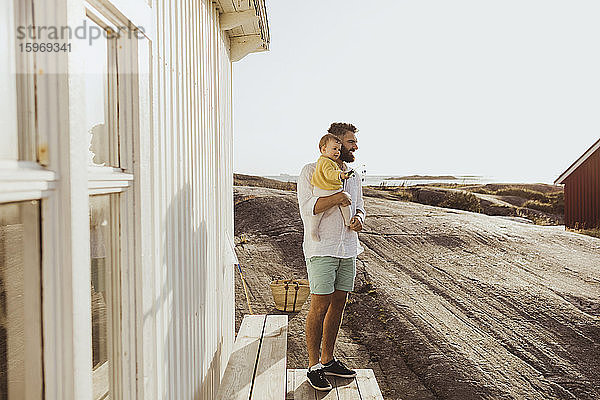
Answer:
(582, 190)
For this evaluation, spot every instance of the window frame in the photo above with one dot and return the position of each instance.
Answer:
(58, 176)
(112, 86)
(8, 108)
(120, 181)
(26, 102)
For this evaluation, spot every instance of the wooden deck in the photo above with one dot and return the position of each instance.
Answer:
(257, 367)
(363, 387)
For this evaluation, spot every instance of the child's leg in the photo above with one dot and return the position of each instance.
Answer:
(346, 214)
(314, 229)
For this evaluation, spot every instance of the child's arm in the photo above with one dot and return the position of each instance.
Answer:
(347, 174)
(331, 172)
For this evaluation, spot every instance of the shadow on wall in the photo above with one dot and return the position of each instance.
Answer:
(186, 372)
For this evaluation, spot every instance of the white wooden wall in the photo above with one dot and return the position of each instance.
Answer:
(176, 300)
(188, 310)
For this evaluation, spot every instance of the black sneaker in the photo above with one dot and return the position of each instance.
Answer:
(337, 368)
(316, 379)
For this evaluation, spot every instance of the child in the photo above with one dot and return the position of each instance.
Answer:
(327, 178)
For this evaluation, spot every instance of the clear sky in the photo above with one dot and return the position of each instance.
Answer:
(507, 89)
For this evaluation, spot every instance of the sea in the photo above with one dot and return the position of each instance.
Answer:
(383, 180)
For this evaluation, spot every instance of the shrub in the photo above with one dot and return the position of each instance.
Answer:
(384, 186)
(551, 202)
(558, 202)
(538, 205)
(404, 195)
(258, 181)
(462, 201)
(524, 193)
(590, 232)
(538, 220)
(482, 191)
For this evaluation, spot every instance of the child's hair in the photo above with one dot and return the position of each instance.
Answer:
(326, 138)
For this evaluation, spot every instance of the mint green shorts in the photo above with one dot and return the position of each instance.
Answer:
(327, 274)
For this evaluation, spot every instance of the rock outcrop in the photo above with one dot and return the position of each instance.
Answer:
(448, 304)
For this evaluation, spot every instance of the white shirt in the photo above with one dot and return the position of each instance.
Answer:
(337, 240)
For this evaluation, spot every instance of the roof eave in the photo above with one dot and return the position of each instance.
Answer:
(561, 179)
(247, 28)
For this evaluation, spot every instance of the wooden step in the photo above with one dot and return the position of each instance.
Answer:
(363, 387)
(257, 366)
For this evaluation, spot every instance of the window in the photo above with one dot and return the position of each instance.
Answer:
(8, 120)
(20, 302)
(45, 200)
(22, 184)
(108, 99)
(104, 289)
(26, 82)
(101, 95)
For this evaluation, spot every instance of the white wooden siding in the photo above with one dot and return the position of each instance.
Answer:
(176, 327)
(189, 315)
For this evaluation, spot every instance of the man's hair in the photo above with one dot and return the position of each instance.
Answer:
(326, 138)
(340, 128)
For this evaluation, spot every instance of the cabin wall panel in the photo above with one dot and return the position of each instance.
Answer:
(582, 195)
(193, 313)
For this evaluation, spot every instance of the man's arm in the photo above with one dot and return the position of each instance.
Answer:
(325, 203)
(311, 205)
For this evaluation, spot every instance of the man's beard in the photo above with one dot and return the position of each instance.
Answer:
(346, 156)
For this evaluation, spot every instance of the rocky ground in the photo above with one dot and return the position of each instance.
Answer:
(448, 304)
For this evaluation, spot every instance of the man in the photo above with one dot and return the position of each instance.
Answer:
(331, 261)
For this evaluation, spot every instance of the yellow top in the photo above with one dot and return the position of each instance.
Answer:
(327, 174)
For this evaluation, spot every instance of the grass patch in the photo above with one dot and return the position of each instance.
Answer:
(524, 193)
(549, 202)
(514, 191)
(384, 186)
(537, 219)
(257, 181)
(590, 232)
(554, 203)
(462, 201)
(451, 186)
(404, 195)
(538, 205)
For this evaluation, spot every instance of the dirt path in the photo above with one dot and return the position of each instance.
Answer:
(449, 304)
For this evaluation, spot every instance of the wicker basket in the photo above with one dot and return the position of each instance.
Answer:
(290, 294)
